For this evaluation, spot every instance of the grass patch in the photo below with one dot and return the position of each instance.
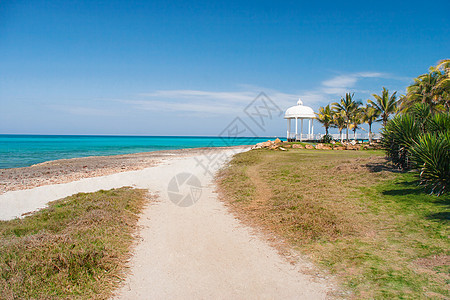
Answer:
(349, 212)
(75, 248)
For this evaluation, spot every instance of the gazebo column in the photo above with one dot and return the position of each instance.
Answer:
(312, 128)
(288, 129)
(309, 129)
(301, 134)
(296, 127)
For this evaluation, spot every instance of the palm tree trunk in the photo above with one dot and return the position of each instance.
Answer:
(326, 130)
(347, 133)
(370, 133)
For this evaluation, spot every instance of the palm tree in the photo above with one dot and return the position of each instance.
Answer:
(445, 65)
(423, 89)
(348, 107)
(432, 88)
(370, 115)
(355, 120)
(325, 116)
(339, 122)
(442, 88)
(384, 104)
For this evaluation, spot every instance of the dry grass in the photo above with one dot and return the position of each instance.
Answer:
(349, 212)
(75, 248)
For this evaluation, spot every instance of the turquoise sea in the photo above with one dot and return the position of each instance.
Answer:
(25, 150)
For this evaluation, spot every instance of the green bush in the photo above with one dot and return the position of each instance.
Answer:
(326, 139)
(397, 137)
(421, 139)
(431, 152)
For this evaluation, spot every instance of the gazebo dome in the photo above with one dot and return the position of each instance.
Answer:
(299, 112)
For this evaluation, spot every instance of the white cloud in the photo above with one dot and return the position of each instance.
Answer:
(197, 94)
(341, 81)
(234, 102)
(220, 103)
(371, 75)
(82, 110)
(341, 84)
(195, 106)
(211, 102)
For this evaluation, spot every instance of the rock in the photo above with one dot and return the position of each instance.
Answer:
(351, 147)
(323, 147)
(308, 146)
(282, 149)
(297, 146)
(272, 145)
(368, 147)
(339, 148)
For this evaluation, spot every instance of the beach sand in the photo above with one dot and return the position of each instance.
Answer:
(197, 251)
(68, 170)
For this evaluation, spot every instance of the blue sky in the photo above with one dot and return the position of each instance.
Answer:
(191, 67)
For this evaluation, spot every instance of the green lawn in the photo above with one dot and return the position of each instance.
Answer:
(75, 248)
(373, 227)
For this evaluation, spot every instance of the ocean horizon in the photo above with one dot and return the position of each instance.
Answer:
(24, 150)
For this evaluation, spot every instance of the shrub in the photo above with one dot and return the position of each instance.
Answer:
(326, 139)
(431, 152)
(397, 137)
(420, 139)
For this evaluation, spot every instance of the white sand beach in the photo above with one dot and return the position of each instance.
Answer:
(197, 252)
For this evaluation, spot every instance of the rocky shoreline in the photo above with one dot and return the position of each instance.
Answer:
(277, 144)
(68, 170)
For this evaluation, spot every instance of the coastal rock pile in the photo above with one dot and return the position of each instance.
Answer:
(323, 147)
(272, 145)
(279, 145)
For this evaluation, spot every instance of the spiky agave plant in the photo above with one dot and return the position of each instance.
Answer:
(431, 152)
(439, 123)
(397, 138)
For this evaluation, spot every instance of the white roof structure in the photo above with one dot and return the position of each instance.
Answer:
(299, 112)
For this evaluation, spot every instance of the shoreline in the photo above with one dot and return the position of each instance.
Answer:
(73, 169)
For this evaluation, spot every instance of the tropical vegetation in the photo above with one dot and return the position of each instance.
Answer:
(432, 88)
(325, 116)
(370, 115)
(349, 114)
(415, 126)
(384, 104)
(420, 139)
(349, 109)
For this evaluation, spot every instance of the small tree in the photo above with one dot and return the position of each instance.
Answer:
(356, 120)
(325, 116)
(348, 107)
(339, 123)
(384, 104)
(370, 115)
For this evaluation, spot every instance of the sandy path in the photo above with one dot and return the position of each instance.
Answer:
(195, 252)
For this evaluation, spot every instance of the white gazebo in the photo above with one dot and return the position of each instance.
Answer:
(300, 112)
